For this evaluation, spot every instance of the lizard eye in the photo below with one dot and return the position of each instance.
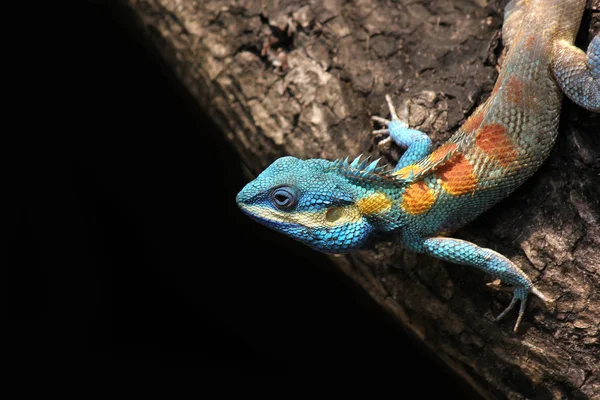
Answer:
(284, 197)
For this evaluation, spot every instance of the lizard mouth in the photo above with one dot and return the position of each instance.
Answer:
(310, 236)
(263, 216)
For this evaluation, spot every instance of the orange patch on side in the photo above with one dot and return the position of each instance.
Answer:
(418, 198)
(530, 42)
(441, 152)
(457, 176)
(493, 141)
(496, 88)
(374, 204)
(473, 122)
(405, 172)
(514, 90)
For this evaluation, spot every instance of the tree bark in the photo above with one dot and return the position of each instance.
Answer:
(302, 78)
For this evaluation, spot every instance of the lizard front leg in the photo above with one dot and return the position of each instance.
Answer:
(466, 253)
(578, 74)
(416, 143)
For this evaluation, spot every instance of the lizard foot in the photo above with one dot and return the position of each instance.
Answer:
(466, 253)
(519, 293)
(416, 143)
(578, 73)
(392, 126)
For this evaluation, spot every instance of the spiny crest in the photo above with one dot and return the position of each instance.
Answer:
(365, 171)
(436, 159)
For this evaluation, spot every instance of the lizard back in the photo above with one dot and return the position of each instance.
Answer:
(507, 138)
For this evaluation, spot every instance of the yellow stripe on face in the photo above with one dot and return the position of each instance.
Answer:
(374, 204)
(308, 219)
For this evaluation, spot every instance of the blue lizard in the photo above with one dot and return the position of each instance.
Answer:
(340, 206)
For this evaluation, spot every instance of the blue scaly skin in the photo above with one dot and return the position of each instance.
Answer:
(338, 206)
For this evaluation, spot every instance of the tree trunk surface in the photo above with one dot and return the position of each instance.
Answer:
(303, 77)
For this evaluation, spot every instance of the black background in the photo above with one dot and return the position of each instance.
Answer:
(134, 259)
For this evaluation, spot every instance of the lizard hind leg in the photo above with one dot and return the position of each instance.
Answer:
(578, 73)
(466, 253)
(416, 143)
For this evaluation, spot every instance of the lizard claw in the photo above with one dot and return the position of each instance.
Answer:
(380, 131)
(395, 121)
(498, 285)
(382, 121)
(518, 294)
(383, 143)
(391, 107)
(393, 113)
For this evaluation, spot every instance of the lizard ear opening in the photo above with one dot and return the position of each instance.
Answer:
(334, 213)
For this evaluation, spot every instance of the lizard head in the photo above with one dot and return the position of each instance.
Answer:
(308, 201)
